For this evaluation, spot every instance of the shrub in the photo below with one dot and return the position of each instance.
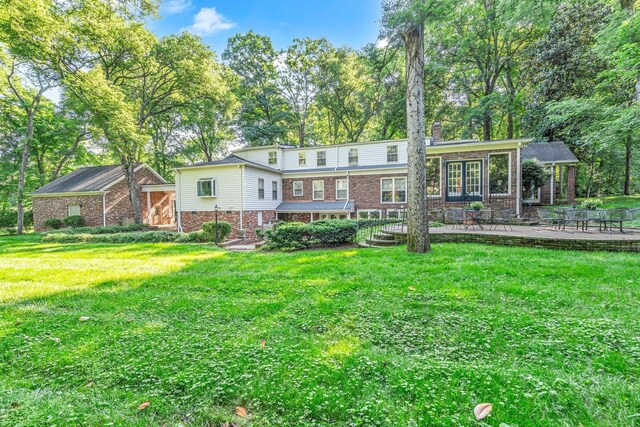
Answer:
(435, 224)
(320, 233)
(74, 221)
(476, 206)
(53, 224)
(591, 204)
(534, 176)
(224, 229)
(196, 237)
(131, 237)
(110, 229)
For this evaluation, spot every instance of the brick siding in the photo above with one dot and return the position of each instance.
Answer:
(192, 221)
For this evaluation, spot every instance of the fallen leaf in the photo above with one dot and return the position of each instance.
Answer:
(143, 405)
(84, 318)
(411, 288)
(89, 383)
(241, 412)
(263, 342)
(482, 410)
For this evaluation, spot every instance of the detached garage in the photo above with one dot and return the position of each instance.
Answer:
(100, 195)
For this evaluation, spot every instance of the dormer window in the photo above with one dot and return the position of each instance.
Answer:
(206, 187)
(273, 157)
(302, 158)
(392, 153)
(353, 157)
(321, 158)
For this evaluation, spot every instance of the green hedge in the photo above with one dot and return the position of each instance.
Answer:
(74, 221)
(224, 230)
(110, 229)
(131, 237)
(53, 223)
(330, 232)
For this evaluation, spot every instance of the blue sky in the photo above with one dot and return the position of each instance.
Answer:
(343, 22)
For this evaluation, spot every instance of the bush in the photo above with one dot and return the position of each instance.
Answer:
(224, 230)
(110, 229)
(476, 206)
(534, 176)
(53, 224)
(329, 232)
(74, 221)
(131, 237)
(591, 204)
(196, 237)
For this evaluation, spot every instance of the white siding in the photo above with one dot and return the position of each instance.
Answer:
(261, 156)
(251, 176)
(228, 189)
(373, 154)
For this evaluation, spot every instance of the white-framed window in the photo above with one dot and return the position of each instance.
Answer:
(464, 180)
(368, 214)
(260, 188)
(321, 158)
(206, 187)
(500, 174)
(392, 153)
(273, 157)
(342, 189)
(332, 216)
(353, 156)
(73, 210)
(393, 190)
(433, 176)
(297, 189)
(302, 158)
(318, 190)
(274, 190)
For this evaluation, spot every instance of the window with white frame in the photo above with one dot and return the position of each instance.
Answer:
(274, 190)
(464, 180)
(260, 188)
(302, 158)
(321, 158)
(499, 173)
(273, 157)
(297, 189)
(74, 210)
(393, 190)
(318, 190)
(353, 156)
(392, 153)
(206, 187)
(342, 189)
(433, 176)
(368, 214)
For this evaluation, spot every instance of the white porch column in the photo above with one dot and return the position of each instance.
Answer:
(148, 207)
(552, 190)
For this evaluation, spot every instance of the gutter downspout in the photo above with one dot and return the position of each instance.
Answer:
(179, 199)
(104, 209)
(518, 181)
(552, 190)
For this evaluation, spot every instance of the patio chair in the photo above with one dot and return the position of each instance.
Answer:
(455, 217)
(505, 218)
(595, 215)
(616, 216)
(579, 216)
(550, 217)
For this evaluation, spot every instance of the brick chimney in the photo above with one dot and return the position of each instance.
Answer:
(436, 131)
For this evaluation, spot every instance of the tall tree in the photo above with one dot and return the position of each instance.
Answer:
(406, 19)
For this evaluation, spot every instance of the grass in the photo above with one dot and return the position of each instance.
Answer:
(353, 336)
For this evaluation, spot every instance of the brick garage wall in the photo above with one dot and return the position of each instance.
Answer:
(533, 242)
(118, 201)
(192, 221)
(57, 207)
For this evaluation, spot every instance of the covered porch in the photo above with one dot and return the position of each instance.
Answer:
(313, 211)
(158, 204)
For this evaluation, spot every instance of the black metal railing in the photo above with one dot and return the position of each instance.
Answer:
(379, 221)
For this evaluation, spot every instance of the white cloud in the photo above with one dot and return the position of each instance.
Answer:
(208, 21)
(382, 43)
(176, 6)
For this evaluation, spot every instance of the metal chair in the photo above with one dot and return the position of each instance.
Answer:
(455, 217)
(550, 217)
(579, 216)
(505, 218)
(617, 216)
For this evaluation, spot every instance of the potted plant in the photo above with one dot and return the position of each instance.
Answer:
(476, 206)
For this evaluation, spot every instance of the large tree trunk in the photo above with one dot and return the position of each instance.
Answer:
(627, 167)
(417, 218)
(23, 171)
(134, 194)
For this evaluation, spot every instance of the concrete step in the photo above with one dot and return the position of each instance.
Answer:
(376, 242)
(367, 245)
(228, 243)
(382, 236)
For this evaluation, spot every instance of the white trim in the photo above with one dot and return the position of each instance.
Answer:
(242, 196)
(157, 187)
(179, 199)
(368, 211)
(337, 173)
(397, 153)
(293, 187)
(518, 181)
(552, 189)
(124, 176)
(336, 185)
(230, 165)
(148, 208)
(214, 188)
(393, 191)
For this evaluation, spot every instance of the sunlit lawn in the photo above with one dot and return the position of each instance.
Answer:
(353, 337)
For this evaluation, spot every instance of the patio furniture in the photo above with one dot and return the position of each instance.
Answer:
(455, 217)
(616, 216)
(550, 217)
(473, 217)
(504, 218)
(579, 216)
(595, 215)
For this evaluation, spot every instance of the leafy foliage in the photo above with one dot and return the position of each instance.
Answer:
(223, 228)
(534, 175)
(129, 237)
(292, 236)
(110, 229)
(53, 223)
(74, 221)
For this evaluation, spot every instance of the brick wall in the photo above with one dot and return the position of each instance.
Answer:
(57, 207)
(118, 201)
(192, 221)
(161, 207)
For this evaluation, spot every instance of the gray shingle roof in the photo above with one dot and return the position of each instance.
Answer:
(315, 206)
(549, 152)
(93, 178)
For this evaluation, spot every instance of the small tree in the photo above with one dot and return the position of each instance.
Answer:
(534, 176)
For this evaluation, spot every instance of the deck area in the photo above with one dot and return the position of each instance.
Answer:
(534, 236)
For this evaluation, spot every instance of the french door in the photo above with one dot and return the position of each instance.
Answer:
(464, 180)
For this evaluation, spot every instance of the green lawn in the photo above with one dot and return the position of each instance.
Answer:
(353, 336)
(618, 202)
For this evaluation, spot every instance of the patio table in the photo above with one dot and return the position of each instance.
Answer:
(471, 217)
